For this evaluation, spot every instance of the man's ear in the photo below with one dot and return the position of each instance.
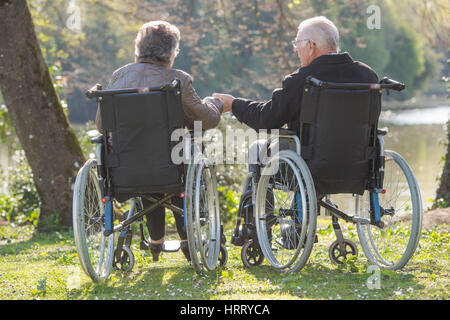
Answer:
(310, 48)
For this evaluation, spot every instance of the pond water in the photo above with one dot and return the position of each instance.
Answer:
(419, 135)
(418, 116)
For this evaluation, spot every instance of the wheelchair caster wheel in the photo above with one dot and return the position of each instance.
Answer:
(251, 254)
(125, 262)
(223, 255)
(338, 253)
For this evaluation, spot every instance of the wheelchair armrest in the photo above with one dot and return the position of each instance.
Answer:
(95, 136)
(287, 132)
(382, 131)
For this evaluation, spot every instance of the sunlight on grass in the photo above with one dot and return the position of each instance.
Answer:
(47, 267)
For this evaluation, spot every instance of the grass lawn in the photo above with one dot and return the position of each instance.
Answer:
(37, 266)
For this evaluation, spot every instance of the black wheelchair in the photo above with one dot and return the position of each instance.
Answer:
(133, 161)
(341, 152)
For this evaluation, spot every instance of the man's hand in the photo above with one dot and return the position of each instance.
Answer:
(227, 100)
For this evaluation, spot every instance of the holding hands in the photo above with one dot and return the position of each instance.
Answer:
(227, 100)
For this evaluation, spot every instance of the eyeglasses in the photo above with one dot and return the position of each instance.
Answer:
(294, 42)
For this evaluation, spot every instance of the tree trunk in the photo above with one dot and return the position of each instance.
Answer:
(44, 132)
(443, 192)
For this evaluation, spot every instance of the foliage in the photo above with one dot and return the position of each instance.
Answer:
(229, 204)
(7, 132)
(406, 66)
(22, 205)
(240, 47)
(85, 141)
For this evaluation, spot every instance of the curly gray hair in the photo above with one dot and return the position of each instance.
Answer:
(156, 41)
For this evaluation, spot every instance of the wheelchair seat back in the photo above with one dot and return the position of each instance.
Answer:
(137, 127)
(338, 125)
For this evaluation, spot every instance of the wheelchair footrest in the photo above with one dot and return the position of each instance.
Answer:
(168, 246)
(237, 241)
(171, 246)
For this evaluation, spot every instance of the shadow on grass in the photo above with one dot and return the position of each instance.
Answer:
(154, 282)
(174, 278)
(316, 281)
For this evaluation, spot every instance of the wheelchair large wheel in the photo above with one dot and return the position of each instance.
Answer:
(392, 245)
(286, 211)
(202, 216)
(95, 251)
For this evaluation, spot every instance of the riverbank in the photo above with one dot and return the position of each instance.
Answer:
(437, 217)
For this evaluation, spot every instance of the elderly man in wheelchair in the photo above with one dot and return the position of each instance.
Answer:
(144, 104)
(331, 105)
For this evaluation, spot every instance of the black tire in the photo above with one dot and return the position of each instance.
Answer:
(251, 254)
(338, 255)
(125, 262)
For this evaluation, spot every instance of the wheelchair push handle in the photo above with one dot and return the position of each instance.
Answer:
(315, 82)
(91, 93)
(97, 92)
(385, 83)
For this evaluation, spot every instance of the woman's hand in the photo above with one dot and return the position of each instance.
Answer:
(227, 100)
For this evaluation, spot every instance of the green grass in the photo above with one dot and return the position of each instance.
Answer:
(36, 266)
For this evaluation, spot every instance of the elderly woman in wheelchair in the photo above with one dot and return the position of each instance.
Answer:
(145, 102)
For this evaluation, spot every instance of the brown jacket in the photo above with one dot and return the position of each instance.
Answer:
(140, 75)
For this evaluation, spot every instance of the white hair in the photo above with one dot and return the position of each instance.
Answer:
(320, 30)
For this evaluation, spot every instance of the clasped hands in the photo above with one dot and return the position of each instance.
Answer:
(227, 100)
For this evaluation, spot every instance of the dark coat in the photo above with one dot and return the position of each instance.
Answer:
(285, 106)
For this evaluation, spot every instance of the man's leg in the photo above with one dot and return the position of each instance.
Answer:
(254, 154)
(257, 153)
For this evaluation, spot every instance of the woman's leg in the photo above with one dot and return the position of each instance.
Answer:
(156, 225)
(179, 221)
(156, 222)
